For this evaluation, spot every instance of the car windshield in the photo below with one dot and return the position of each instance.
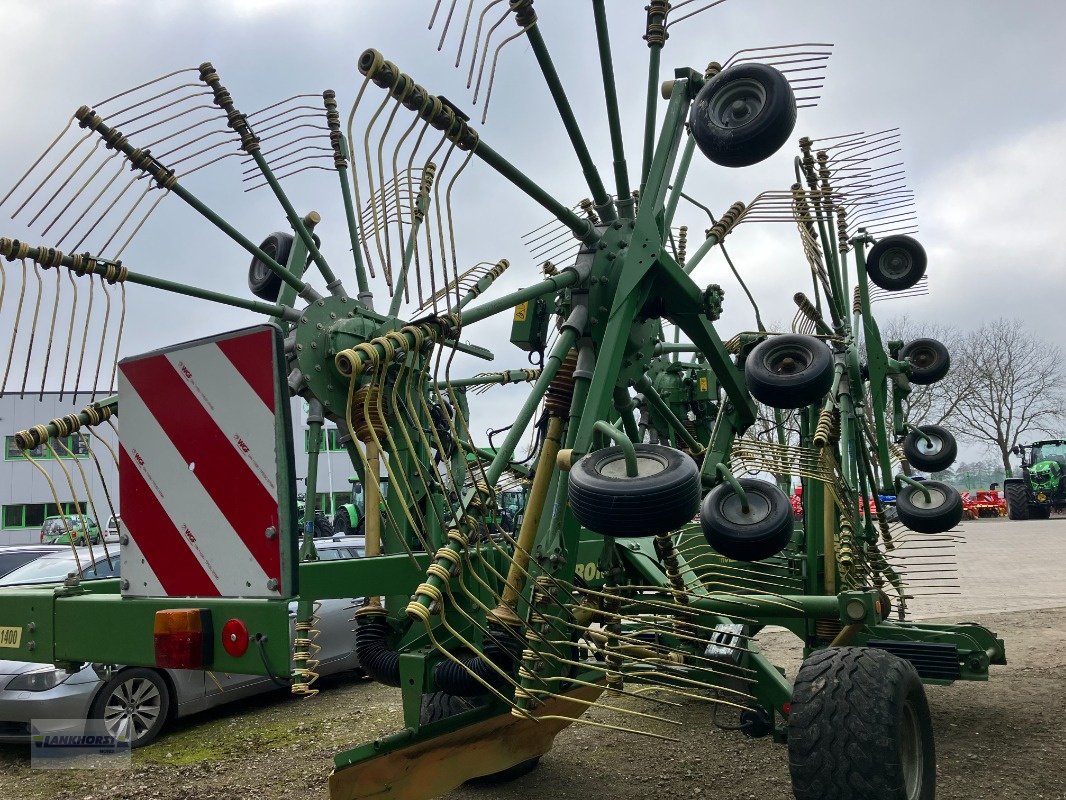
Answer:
(14, 559)
(54, 568)
(1050, 451)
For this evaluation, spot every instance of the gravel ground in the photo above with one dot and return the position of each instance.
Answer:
(1006, 738)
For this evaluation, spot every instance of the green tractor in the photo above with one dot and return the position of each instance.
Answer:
(1042, 486)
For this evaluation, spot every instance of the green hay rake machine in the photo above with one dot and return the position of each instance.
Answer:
(657, 538)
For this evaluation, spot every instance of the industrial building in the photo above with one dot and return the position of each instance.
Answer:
(83, 474)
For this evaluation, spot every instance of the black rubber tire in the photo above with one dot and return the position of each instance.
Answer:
(769, 529)
(323, 528)
(930, 360)
(130, 679)
(914, 513)
(612, 504)
(1017, 500)
(441, 705)
(1039, 512)
(789, 371)
(936, 453)
(263, 283)
(859, 728)
(342, 523)
(896, 263)
(764, 95)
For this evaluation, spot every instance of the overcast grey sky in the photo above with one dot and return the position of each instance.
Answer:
(975, 85)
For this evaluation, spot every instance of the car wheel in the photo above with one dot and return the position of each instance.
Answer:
(135, 701)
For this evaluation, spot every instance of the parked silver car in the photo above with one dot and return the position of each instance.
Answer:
(141, 701)
(16, 555)
(60, 562)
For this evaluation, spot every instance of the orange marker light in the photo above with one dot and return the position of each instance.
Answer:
(183, 638)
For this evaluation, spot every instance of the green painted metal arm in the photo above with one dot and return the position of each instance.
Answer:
(623, 198)
(49, 257)
(600, 198)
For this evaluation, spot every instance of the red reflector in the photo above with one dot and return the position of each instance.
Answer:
(786, 708)
(183, 638)
(235, 637)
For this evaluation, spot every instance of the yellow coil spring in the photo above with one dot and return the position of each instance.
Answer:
(304, 651)
(823, 431)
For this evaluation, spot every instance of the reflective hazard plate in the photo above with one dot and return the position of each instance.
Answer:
(10, 637)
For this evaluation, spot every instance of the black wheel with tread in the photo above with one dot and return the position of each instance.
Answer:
(763, 531)
(941, 512)
(663, 496)
(441, 705)
(743, 115)
(342, 523)
(1017, 499)
(896, 263)
(789, 371)
(1039, 512)
(859, 728)
(263, 283)
(135, 700)
(933, 453)
(323, 528)
(930, 360)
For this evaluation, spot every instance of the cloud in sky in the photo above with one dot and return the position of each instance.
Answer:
(982, 143)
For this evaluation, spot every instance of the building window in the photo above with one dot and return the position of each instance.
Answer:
(330, 441)
(72, 446)
(32, 515)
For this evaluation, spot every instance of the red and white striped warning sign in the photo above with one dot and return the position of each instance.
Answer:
(198, 468)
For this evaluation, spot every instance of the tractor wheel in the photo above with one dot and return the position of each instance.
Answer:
(930, 361)
(663, 496)
(342, 523)
(1017, 500)
(441, 705)
(896, 263)
(323, 530)
(743, 115)
(265, 284)
(760, 533)
(859, 728)
(789, 371)
(941, 512)
(935, 452)
(1039, 512)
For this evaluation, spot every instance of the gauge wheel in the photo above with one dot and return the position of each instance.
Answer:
(661, 497)
(934, 451)
(743, 115)
(941, 512)
(264, 284)
(930, 360)
(760, 532)
(896, 263)
(135, 702)
(859, 727)
(789, 371)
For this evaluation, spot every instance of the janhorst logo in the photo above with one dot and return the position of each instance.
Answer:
(59, 740)
(77, 744)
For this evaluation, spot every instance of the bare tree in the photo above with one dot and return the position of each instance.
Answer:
(1011, 389)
